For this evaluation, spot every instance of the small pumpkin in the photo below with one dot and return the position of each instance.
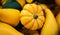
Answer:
(12, 4)
(32, 16)
(10, 16)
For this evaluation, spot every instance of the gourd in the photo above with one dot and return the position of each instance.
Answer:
(32, 17)
(6, 29)
(10, 16)
(12, 4)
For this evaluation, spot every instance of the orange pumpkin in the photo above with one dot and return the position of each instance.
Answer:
(32, 17)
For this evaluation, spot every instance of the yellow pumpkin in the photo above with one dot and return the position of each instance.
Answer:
(10, 16)
(32, 17)
(6, 29)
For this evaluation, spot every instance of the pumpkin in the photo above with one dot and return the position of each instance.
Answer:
(10, 16)
(32, 17)
(12, 4)
(6, 29)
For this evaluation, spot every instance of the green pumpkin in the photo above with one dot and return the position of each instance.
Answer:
(12, 4)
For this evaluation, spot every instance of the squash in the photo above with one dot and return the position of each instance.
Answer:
(32, 17)
(12, 4)
(21, 2)
(6, 29)
(10, 16)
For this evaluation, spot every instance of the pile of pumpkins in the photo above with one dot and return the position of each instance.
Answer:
(29, 17)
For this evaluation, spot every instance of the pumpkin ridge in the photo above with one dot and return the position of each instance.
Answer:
(40, 19)
(32, 23)
(38, 24)
(33, 26)
(27, 22)
(39, 9)
(29, 11)
(33, 8)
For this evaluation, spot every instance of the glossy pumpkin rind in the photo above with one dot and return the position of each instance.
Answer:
(27, 16)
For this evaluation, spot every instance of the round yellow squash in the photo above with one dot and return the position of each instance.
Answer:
(10, 16)
(32, 17)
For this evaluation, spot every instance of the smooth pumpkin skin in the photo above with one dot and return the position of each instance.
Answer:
(21, 2)
(6, 29)
(58, 19)
(10, 16)
(27, 16)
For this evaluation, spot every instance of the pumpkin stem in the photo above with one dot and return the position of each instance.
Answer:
(35, 16)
